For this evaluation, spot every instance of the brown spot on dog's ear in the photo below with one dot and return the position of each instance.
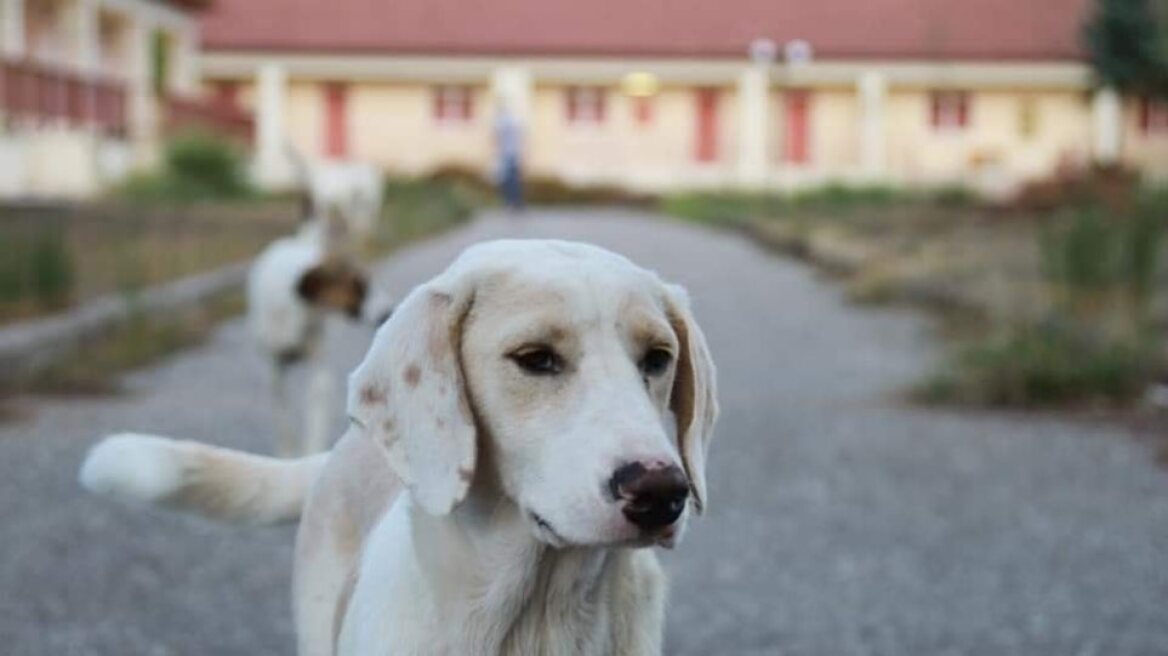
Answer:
(465, 474)
(373, 394)
(440, 422)
(412, 375)
(388, 425)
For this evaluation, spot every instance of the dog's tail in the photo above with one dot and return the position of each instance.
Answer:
(213, 482)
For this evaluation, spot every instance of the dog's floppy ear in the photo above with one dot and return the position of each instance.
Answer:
(409, 395)
(693, 399)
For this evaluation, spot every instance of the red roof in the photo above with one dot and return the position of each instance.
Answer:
(930, 29)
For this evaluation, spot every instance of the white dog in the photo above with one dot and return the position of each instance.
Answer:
(352, 190)
(291, 288)
(522, 427)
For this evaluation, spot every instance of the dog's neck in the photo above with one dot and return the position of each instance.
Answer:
(508, 592)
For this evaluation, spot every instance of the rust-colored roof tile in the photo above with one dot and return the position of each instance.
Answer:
(916, 29)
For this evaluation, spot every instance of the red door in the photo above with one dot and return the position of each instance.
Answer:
(336, 126)
(797, 132)
(706, 139)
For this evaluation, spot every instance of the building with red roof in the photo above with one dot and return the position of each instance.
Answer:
(89, 87)
(655, 94)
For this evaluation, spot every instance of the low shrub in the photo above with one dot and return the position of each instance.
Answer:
(1094, 343)
(736, 208)
(416, 207)
(725, 208)
(1110, 186)
(197, 166)
(472, 179)
(1096, 263)
(952, 196)
(37, 271)
(553, 191)
(1056, 361)
(838, 197)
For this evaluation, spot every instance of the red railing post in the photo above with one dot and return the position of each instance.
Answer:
(42, 94)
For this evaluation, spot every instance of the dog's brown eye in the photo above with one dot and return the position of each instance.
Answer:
(540, 361)
(656, 361)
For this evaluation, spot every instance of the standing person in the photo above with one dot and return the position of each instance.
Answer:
(509, 150)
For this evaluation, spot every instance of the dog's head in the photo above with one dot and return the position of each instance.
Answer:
(558, 375)
(335, 286)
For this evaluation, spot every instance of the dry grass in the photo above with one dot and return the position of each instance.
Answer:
(1039, 308)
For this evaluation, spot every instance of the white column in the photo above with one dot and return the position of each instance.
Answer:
(512, 84)
(85, 36)
(142, 111)
(872, 89)
(12, 28)
(1107, 125)
(185, 58)
(272, 168)
(753, 125)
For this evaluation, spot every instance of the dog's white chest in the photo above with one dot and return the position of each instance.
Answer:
(444, 602)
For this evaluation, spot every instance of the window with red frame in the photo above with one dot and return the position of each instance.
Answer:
(950, 110)
(586, 104)
(453, 103)
(1153, 116)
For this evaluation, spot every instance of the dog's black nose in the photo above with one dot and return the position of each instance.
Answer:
(653, 497)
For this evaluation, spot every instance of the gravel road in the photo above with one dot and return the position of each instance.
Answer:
(842, 521)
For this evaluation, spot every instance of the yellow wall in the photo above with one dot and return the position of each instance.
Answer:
(993, 142)
(621, 150)
(1147, 151)
(392, 124)
(834, 129)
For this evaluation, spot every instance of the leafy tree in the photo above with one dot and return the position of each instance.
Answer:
(1128, 42)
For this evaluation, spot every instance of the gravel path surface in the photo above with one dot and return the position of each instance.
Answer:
(841, 521)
